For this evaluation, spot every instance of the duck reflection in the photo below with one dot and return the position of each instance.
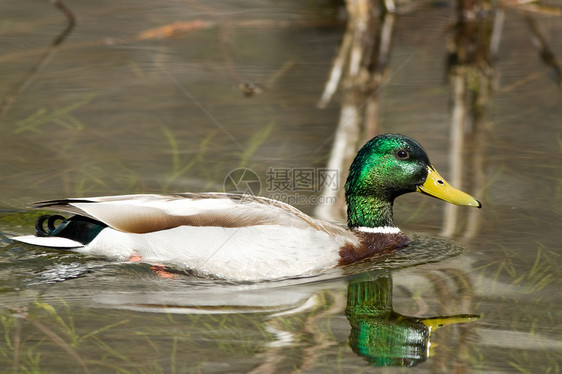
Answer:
(381, 335)
(302, 322)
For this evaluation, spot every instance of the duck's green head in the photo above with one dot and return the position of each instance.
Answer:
(386, 167)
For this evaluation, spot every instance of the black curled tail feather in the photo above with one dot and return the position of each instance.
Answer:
(51, 225)
(78, 228)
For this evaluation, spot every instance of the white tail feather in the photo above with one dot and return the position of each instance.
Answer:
(48, 241)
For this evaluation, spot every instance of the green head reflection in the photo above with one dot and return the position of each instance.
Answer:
(384, 337)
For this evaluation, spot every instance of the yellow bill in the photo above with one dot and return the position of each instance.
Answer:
(434, 323)
(438, 187)
(437, 322)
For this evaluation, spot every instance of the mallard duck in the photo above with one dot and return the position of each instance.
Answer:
(241, 237)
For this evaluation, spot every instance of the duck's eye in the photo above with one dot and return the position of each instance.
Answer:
(402, 154)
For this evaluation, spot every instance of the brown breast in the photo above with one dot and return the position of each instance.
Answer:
(371, 245)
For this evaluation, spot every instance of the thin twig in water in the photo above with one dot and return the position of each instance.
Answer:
(69, 26)
(71, 22)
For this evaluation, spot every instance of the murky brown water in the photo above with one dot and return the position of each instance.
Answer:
(124, 107)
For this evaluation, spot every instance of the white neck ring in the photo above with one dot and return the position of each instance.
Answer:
(378, 230)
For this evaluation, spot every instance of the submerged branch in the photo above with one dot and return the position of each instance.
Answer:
(358, 70)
